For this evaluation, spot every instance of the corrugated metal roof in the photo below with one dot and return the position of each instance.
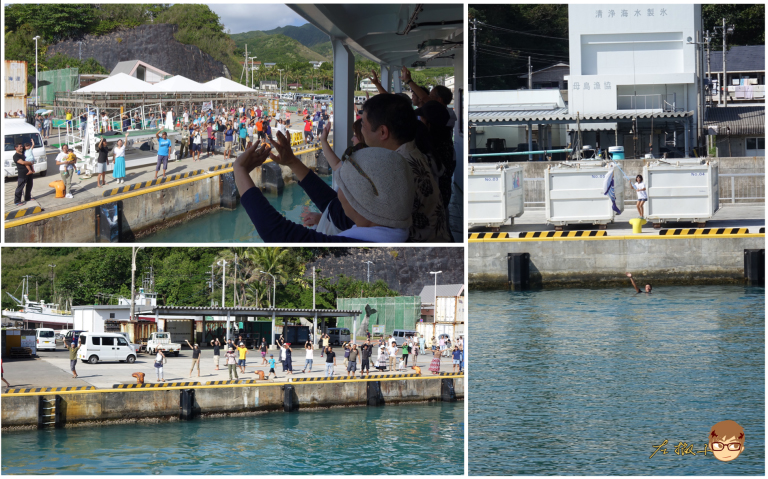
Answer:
(443, 290)
(742, 120)
(561, 114)
(739, 59)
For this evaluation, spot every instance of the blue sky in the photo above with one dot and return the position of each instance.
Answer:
(244, 17)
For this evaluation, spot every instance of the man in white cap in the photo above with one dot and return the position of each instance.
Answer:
(376, 191)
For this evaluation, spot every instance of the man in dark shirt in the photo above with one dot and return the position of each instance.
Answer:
(352, 364)
(330, 361)
(216, 351)
(365, 356)
(23, 178)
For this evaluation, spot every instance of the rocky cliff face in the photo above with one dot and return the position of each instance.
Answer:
(404, 269)
(152, 44)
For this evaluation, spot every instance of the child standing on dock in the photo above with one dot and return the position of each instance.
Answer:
(642, 195)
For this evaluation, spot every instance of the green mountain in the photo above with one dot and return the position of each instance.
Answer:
(307, 34)
(325, 49)
(275, 48)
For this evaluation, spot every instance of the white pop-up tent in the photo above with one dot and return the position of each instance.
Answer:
(120, 83)
(224, 85)
(180, 84)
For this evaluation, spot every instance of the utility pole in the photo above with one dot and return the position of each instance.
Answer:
(211, 283)
(235, 283)
(709, 71)
(53, 275)
(725, 70)
(134, 252)
(474, 54)
(313, 287)
(530, 75)
(223, 264)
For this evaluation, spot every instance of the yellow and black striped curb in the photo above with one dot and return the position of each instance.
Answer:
(479, 236)
(223, 166)
(232, 381)
(346, 378)
(12, 215)
(145, 184)
(154, 385)
(704, 231)
(562, 234)
(452, 375)
(51, 390)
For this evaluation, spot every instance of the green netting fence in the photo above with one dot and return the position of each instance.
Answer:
(52, 81)
(401, 312)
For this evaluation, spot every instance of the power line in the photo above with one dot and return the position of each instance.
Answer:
(519, 32)
(503, 75)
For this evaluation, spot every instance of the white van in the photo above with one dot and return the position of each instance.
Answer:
(97, 347)
(45, 338)
(17, 130)
(400, 335)
(338, 335)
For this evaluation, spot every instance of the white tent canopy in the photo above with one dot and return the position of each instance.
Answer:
(180, 84)
(120, 83)
(223, 85)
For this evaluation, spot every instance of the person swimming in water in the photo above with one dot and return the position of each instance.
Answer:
(634, 285)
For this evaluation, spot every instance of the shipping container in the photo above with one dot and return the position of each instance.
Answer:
(495, 194)
(681, 190)
(15, 103)
(15, 78)
(574, 193)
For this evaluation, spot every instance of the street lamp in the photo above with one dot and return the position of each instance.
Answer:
(134, 251)
(223, 264)
(251, 58)
(369, 270)
(274, 289)
(434, 310)
(37, 93)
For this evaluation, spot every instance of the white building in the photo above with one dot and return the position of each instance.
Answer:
(449, 83)
(142, 71)
(627, 58)
(367, 85)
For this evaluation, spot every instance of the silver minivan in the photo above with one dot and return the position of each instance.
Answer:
(400, 335)
(338, 335)
(97, 347)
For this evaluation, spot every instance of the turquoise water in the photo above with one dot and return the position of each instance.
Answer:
(225, 226)
(586, 382)
(422, 438)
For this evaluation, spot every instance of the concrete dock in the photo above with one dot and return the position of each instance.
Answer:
(103, 393)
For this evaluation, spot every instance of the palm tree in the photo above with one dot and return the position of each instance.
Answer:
(270, 260)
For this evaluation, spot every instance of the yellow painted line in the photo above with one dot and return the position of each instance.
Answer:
(614, 238)
(112, 199)
(219, 386)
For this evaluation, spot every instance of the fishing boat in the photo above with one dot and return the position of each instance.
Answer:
(36, 314)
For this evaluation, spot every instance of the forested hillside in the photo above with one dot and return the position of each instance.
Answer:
(182, 275)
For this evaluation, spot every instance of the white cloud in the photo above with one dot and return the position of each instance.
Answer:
(246, 17)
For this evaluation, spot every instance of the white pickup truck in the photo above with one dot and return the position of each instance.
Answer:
(162, 342)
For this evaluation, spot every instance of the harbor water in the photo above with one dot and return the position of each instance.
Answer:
(397, 439)
(226, 226)
(589, 382)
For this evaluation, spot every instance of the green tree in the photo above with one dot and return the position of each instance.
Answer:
(748, 18)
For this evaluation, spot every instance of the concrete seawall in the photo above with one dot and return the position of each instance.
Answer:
(604, 261)
(21, 410)
(143, 210)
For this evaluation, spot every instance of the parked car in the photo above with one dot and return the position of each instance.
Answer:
(17, 130)
(105, 347)
(401, 335)
(338, 335)
(162, 342)
(45, 338)
(73, 335)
